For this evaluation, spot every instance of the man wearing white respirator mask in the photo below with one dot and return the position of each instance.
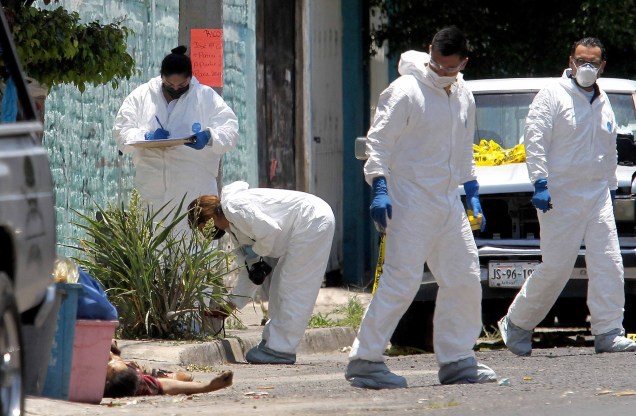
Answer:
(420, 150)
(570, 143)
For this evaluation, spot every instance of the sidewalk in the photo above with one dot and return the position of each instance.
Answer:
(173, 355)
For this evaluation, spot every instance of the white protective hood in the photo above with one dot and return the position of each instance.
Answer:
(414, 63)
(232, 188)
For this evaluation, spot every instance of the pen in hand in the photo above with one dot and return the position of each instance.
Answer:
(160, 125)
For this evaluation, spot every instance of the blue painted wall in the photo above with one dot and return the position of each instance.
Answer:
(87, 169)
(239, 90)
(356, 236)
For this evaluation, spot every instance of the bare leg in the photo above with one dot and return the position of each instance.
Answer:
(173, 387)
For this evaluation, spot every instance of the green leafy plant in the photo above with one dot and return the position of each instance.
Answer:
(319, 320)
(56, 48)
(352, 313)
(348, 315)
(160, 280)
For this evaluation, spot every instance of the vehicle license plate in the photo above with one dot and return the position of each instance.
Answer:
(509, 274)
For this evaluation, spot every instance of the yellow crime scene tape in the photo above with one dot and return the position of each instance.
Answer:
(631, 336)
(490, 153)
(378, 267)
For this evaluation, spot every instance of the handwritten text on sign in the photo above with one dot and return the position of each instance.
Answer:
(206, 52)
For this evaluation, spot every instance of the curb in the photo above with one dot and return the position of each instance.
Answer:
(233, 349)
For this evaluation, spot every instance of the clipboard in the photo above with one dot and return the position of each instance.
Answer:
(169, 142)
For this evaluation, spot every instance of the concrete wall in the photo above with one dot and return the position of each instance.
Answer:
(239, 27)
(87, 169)
(326, 112)
(237, 19)
(84, 159)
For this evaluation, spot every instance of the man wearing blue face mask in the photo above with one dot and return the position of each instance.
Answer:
(420, 150)
(570, 142)
(175, 104)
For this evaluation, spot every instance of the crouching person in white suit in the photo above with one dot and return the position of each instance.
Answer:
(294, 227)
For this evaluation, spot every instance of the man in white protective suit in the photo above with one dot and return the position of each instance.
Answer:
(570, 142)
(294, 227)
(174, 105)
(420, 149)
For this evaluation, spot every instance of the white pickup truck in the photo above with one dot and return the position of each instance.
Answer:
(509, 247)
(27, 241)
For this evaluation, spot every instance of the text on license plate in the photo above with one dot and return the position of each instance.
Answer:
(509, 274)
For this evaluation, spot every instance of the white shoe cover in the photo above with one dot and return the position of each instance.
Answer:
(518, 340)
(466, 371)
(613, 341)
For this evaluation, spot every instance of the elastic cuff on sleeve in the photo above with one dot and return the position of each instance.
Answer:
(213, 137)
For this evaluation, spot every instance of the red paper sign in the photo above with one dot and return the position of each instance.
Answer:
(206, 53)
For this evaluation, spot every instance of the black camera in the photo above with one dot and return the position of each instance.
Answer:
(259, 271)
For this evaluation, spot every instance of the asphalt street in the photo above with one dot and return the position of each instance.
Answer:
(563, 377)
(556, 381)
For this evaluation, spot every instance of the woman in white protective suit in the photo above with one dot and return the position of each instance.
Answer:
(175, 104)
(294, 227)
(571, 145)
(420, 152)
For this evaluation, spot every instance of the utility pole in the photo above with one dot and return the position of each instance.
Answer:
(199, 14)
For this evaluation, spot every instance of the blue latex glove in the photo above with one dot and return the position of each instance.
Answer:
(472, 199)
(541, 198)
(157, 134)
(249, 253)
(203, 137)
(381, 204)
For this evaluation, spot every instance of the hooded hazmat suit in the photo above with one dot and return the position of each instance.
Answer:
(297, 229)
(421, 140)
(166, 174)
(571, 142)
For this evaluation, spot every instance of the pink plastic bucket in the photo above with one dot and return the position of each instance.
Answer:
(91, 349)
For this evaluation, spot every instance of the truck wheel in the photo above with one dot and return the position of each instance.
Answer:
(11, 354)
(415, 329)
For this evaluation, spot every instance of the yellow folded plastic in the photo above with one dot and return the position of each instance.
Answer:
(475, 222)
(490, 153)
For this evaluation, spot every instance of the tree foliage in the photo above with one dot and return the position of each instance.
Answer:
(56, 48)
(513, 38)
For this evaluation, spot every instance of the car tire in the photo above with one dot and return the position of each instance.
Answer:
(11, 353)
(415, 329)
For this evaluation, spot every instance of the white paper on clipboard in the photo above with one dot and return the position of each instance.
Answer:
(171, 141)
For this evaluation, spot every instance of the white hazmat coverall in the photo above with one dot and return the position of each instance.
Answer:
(572, 143)
(296, 228)
(168, 173)
(421, 140)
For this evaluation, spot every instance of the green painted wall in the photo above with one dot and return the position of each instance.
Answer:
(87, 169)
